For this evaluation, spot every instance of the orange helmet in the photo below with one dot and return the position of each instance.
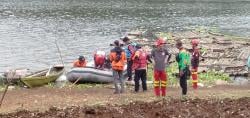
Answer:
(195, 41)
(160, 41)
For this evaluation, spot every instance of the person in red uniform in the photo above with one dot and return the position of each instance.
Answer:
(81, 62)
(195, 62)
(161, 57)
(99, 59)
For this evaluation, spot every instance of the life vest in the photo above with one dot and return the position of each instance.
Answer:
(99, 57)
(140, 59)
(117, 58)
(77, 63)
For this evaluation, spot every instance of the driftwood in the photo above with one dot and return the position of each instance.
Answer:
(245, 74)
(215, 34)
(219, 51)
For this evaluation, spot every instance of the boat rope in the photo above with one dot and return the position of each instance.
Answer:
(59, 51)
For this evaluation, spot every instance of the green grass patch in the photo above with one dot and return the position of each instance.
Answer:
(210, 77)
(50, 85)
(2, 87)
(206, 78)
(88, 85)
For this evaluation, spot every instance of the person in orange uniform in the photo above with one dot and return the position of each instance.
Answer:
(118, 60)
(195, 62)
(81, 62)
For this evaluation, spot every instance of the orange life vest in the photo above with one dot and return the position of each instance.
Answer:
(117, 64)
(78, 63)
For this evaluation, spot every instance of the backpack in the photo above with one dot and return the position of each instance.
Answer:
(130, 50)
(118, 56)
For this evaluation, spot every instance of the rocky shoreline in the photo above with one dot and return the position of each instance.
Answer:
(219, 52)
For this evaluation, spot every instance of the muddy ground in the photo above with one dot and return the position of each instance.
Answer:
(44, 102)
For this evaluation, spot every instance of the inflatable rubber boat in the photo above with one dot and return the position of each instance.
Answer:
(91, 75)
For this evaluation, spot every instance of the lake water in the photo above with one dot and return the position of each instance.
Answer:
(29, 28)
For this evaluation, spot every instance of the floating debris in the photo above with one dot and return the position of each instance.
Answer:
(218, 52)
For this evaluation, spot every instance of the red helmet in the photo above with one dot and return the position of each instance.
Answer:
(160, 41)
(195, 41)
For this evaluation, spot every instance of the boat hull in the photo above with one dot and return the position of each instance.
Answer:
(43, 77)
(91, 75)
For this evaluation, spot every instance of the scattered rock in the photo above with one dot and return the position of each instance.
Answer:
(11, 87)
(200, 85)
(221, 82)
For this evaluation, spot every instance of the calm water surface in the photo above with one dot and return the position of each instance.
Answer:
(29, 28)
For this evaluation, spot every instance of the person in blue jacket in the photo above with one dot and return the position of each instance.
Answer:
(129, 51)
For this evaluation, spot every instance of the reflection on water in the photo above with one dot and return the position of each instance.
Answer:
(29, 28)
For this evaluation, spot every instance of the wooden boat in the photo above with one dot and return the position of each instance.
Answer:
(43, 77)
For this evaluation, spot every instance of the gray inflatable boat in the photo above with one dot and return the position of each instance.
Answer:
(91, 75)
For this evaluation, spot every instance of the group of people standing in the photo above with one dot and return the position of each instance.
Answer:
(137, 59)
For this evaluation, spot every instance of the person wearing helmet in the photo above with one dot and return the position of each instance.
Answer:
(140, 61)
(195, 62)
(118, 59)
(161, 58)
(99, 59)
(129, 49)
(183, 59)
(81, 62)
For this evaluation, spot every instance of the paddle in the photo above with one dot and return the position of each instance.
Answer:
(5, 91)
(60, 54)
(7, 86)
(78, 78)
(75, 82)
(59, 51)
